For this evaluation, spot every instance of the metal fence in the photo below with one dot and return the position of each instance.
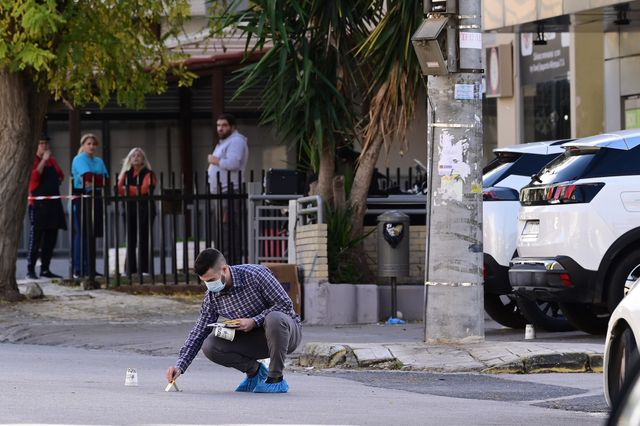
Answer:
(268, 225)
(161, 233)
(246, 224)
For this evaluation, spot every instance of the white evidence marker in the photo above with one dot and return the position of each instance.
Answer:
(131, 377)
(172, 387)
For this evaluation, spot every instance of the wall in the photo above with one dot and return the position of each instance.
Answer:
(265, 150)
(311, 252)
(621, 69)
(498, 14)
(587, 81)
(161, 142)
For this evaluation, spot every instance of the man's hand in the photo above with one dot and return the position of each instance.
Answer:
(213, 160)
(46, 155)
(173, 373)
(246, 324)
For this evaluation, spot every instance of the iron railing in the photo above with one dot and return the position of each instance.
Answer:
(176, 222)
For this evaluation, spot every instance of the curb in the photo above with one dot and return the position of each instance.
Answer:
(332, 355)
(577, 362)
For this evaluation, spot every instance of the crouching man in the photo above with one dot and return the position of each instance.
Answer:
(267, 325)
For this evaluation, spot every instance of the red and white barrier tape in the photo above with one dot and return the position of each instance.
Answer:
(57, 197)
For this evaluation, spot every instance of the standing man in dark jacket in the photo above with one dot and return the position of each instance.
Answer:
(46, 215)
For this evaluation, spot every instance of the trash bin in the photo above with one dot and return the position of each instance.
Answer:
(393, 254)
(393, 244)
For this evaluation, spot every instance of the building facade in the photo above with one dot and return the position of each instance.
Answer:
(573, 63)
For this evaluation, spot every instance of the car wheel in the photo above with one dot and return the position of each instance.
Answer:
(545, 315)
(625, 273)
(503, 309)
(623, 357)
(586, 317)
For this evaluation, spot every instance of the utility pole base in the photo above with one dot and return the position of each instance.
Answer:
(445, 322)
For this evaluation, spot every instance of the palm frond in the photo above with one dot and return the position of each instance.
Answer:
(396, 74)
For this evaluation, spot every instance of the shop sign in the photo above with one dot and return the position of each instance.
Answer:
(548, 62)
(499, 71)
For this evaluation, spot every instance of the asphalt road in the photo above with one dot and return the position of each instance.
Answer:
(63, 385)
(65, 359)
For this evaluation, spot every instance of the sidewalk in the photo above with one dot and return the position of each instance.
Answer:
(158, 325)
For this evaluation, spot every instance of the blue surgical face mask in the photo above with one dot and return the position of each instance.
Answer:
(214, 286)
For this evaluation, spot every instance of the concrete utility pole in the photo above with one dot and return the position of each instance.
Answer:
(449, 45)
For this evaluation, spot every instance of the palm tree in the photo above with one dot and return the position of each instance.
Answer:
(312, 78)
(338, 73)
(392, 91)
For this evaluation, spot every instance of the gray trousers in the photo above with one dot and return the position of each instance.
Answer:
(279, 336)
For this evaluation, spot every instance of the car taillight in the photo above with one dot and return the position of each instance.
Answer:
(566, 280)
(560, 194)
(497, 193)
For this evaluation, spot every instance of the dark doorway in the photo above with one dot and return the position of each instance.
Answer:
(547, 109)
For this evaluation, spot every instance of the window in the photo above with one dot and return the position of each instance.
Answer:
(632, 112)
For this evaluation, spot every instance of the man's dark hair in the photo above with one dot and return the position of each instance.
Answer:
(230, 119)
(207, 259)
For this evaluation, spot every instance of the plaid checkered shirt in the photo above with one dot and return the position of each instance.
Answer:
(255, 293)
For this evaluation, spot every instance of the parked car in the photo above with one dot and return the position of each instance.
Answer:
(510, 170)
(626, 410)
(580, 221)
(621, 354)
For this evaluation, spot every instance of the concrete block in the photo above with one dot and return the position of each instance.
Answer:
(305, 241)
(556, 363)
(312, 226)
(513, 367)
(311, 231)
(367, 303)
(331, 304)
(370, 356)
(595, 362)
(320, 257)
(315, 295)
(410, 301)
(322, 355)
(342, 304)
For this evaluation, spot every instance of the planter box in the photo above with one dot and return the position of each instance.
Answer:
(333, 304)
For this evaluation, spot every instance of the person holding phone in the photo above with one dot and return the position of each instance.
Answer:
(46, 214)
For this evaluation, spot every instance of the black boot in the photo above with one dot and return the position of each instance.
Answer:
(31, 274)
(46, 273)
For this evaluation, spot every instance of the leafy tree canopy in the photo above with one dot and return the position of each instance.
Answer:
(313, 79)
(84, 51)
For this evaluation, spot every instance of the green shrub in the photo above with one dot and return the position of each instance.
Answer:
(347, 261)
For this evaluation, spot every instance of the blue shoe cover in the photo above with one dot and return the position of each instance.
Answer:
(249, 383)
(280, 387)
(393, 320)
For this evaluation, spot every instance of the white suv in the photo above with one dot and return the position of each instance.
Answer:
(510, 170)
(580, 221)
